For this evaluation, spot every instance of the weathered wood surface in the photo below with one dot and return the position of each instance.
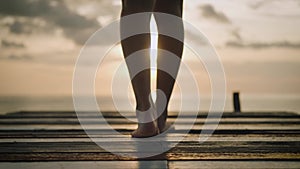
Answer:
(263, 139)
(154, 164)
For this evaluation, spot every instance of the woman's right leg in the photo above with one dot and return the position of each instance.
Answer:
(140, 82)
(165, 82)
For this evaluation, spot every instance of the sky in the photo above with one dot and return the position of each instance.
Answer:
(258, 42)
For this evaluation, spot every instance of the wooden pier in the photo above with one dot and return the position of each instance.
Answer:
(242, 140)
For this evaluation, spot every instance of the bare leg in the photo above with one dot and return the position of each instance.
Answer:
(141, 82)
(165, 82)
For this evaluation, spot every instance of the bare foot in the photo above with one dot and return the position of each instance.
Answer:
(145, 130)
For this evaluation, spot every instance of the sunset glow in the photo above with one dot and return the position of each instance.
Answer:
(258, 43)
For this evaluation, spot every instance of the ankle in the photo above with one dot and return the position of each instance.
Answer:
(161, 107)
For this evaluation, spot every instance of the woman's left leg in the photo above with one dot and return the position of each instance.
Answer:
(141, 81)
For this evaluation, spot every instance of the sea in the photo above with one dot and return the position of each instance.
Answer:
(257, 103)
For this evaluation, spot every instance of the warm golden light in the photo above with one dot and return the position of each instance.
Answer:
(153, 55)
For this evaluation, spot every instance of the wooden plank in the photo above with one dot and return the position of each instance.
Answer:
(233, 156)
(19, 157)
(234, 164)
(133, 126)
(183, 147)
(73, 121)
(72, 133)
(71, 114)
(170, 137)
(171, 119)
(98, 156)
(282, 113)
(87, 165)
(154, 164)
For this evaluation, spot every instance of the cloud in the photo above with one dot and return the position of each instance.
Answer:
(8, 44)
(19, 57)
(19, 28)
(16, 57)
(261, 45)
(259, 4)
(53, 12)
(288, 9)
(209, 11)
(236, 34)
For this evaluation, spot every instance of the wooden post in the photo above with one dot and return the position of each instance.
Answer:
(236, 102)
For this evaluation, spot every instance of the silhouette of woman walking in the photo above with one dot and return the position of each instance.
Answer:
(141, 82)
